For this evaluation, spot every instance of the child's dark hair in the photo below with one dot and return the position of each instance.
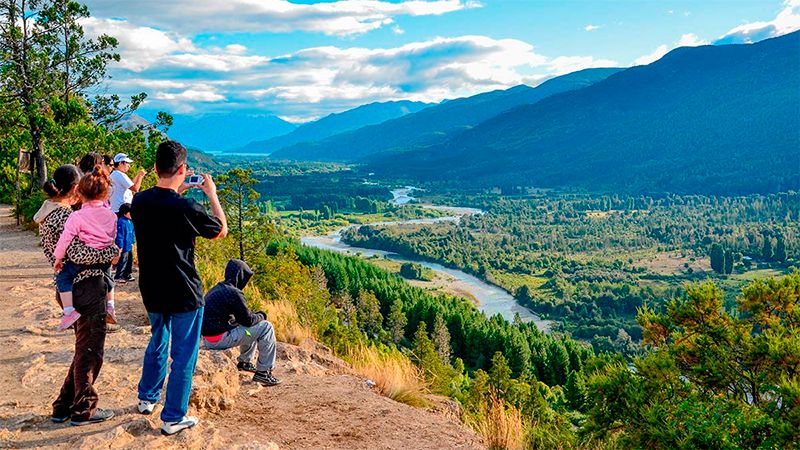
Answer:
(95, 185)
(124, 208)
(63, 179)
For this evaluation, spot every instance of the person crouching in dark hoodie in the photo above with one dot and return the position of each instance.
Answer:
(228, 323)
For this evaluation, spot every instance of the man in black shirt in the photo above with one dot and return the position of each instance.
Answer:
(166, 226)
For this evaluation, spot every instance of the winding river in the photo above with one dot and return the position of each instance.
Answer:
(491, 299)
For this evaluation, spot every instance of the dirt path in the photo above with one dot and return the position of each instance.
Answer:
(315, 407)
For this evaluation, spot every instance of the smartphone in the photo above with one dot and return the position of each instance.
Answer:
(195, 179)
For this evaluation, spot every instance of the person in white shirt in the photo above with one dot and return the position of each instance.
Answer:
(122, 187)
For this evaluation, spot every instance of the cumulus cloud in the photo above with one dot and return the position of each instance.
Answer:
(787, 21)
(340, 18)
(181, 75)
(138, 45)
(686, 40)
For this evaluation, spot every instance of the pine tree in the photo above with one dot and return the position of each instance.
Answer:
(728, 262)
(396, 321)
(717, 258)
(368, 312)
(780, 249)
(441, 339)
(500, 373)
(575, 392)
(766, 251)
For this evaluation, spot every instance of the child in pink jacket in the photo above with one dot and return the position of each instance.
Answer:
(96, 226)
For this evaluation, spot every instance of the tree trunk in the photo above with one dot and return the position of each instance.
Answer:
(37, 154)
(241, 231)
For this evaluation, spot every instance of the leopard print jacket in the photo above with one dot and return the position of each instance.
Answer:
(77, 252)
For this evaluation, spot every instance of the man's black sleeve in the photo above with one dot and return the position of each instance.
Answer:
(201, 223)
(242, 314)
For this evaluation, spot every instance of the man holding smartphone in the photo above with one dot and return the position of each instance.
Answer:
(166, 226)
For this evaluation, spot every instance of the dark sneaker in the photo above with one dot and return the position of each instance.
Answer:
(130, 278)
(59, 419)
(100, 415)
(266, 378)
(120, 281)
(170, 428)
(246, 367)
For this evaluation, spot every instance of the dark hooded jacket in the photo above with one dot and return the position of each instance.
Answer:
(225, 303)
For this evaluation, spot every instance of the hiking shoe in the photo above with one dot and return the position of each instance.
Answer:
(68, 319)
(111, 315)
(266, 378)
(100, 415)
(120, 281)
(59, 419)
(246, 367)
(146, 407)
(170, 428)
(130, 279)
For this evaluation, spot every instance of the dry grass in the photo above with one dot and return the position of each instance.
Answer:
(501, 426)
(282, 314)
(393, 373)
(288, 328)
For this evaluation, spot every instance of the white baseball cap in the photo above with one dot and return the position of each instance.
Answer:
(121, 157)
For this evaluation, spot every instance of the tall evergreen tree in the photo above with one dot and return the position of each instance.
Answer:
(728, 262)
(717, 258)
(780, 249)
(368, 312)
(441, 339)
(396, 321)
(766, 252)
(575, 392)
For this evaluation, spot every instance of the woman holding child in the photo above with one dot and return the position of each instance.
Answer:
(86, 248)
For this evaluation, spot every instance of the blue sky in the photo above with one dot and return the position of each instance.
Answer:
(302, 59)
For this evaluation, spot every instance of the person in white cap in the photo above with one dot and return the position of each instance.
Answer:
(122, 187)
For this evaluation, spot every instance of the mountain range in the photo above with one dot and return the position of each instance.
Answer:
(434, 124)
(712, 119)
(332, 124)
(218, 132)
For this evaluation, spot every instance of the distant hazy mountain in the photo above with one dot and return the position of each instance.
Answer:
(434, 124)
(712, 119)
(217, 132)
(370, 114)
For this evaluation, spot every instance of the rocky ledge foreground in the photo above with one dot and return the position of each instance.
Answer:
(320, 405)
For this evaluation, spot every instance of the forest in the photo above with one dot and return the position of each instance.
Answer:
(592, 261)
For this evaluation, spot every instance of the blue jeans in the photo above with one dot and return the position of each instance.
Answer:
(185, 331)
(124, 266)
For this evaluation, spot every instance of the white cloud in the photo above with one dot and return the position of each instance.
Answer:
(319, 80)
(591, 27)
(567, 64)
(138, 46)
(340, 18)
(690, 40)
(398, 30)
(235, 49)
(787, 21)
(198, 94)
(660, 51)
(686, 40)
(299, 119)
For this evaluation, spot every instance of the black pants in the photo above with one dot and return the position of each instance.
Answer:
(78, 398)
